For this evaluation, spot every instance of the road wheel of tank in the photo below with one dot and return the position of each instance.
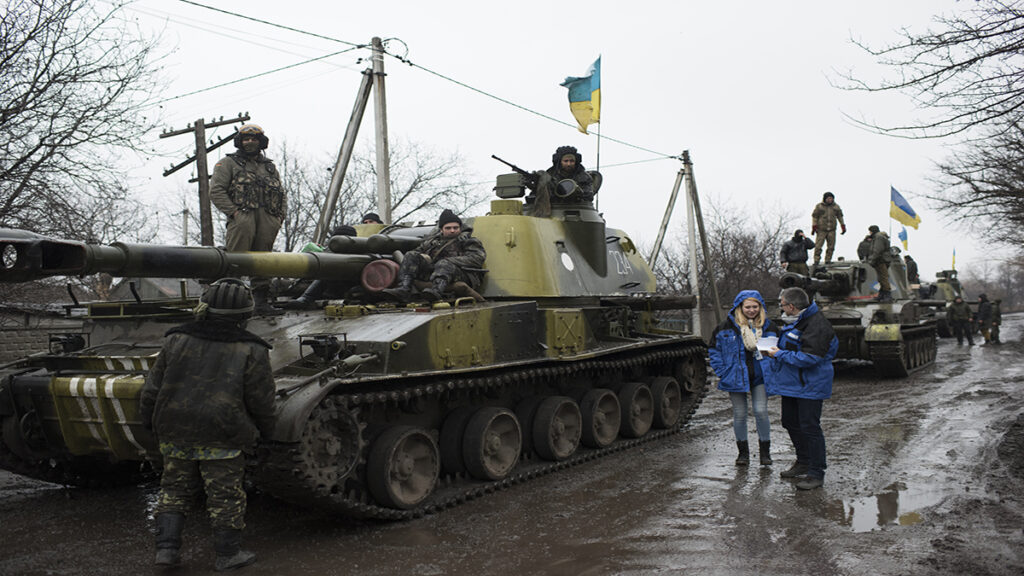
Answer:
(602, 418)
(557, 428)
(452, 433)
(492, 443)
(402, 467)
(667, 398)
(637, 409)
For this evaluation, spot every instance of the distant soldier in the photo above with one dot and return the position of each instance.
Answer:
(371, 218)
(448, 256)
(912, 276)
(823, 225)
(794, 253)
(997, 320)
(864, 249)
(567, 164)
(246, 187)
(880, 258)
(207, 398)
(959, 317)
(984, 316)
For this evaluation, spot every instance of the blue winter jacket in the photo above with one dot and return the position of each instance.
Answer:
(732, 362)
(803, 365)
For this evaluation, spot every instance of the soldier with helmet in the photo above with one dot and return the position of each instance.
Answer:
(823, 225)
(207, 399)
(566, 164)
(246, 187)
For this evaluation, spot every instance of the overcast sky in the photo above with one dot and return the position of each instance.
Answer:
(744, 86)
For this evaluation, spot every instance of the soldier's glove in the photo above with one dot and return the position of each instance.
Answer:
(844, 228)
(814, 229)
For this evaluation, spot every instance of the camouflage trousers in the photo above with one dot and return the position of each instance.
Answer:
(883, 276)
(415, 265)
(798, 268)
(820, 239)
(184, 480)
(253, 231)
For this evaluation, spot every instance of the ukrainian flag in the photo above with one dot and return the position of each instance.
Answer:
(901, 211)
(585, 96)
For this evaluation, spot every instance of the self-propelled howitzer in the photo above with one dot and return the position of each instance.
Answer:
(897, 336)
(384, 410)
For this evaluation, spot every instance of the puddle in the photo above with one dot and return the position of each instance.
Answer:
(897, 506)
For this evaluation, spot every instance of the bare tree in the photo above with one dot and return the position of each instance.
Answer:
(967, 70)
(75, 83)
(984, 185)
(744, 245)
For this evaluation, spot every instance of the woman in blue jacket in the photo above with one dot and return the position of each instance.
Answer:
(742, 368)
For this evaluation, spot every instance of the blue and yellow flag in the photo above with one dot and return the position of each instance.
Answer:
(901, 211)
(954, 258)
(585, 96)
(902, 235)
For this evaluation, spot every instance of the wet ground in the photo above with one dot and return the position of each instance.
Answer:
(926, 476)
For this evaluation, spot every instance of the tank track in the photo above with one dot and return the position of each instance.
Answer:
(898, 359)
(289, 475)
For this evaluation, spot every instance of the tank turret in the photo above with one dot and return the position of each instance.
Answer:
(897, 336)
(385, 410)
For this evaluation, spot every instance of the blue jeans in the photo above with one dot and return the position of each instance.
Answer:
(802, 419)
(759, 401)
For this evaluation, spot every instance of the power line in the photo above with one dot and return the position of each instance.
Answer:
(404, 60)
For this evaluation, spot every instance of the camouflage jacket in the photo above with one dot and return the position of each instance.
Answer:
(582, 179)
(464, 251)
(880, 253)
(959, 312)
(211, 387)
(242, 182)
(825, 216)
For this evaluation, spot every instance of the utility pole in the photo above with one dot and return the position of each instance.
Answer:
(691, 190)
(203, 175)
(381, 122)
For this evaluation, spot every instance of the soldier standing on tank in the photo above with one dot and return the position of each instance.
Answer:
(880, 258)
(912, 276)
(794, 253)
(823, 225)
(246, 187)
(207, 398)
(448, 256)
(567, 164)
(959, 317)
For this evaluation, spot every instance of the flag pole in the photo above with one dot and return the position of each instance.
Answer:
(597, 199)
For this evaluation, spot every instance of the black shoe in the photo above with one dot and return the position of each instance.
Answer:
(398, 294)
(797, 470)
(810, 483)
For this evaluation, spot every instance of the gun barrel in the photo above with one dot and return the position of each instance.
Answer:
(27, 256)
(375, 244)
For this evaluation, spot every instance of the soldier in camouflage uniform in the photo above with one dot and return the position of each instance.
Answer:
(823, 225)
(958, 314)
(448, 256)
(246, 187)
(997, 320)
(208, 397)
(880, 258)
(566, 164)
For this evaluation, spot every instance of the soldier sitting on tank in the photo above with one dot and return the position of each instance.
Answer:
(446, 258)
(550, 186)
(321, 289)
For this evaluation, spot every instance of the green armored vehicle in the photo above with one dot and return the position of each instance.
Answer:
(384, 410)
(898, 337)
(940, 295)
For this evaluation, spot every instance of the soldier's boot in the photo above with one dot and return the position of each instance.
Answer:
(403, 291)
(885, 295)
(765, 450)
(436, 292)
(227, 542)
(744, 457)
(261, 304)
(168, 538)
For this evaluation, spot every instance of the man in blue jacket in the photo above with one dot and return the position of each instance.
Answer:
(803, 377)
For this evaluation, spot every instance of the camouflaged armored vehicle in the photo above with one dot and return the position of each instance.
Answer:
(940, 294)
(898, 337)
(384, 410)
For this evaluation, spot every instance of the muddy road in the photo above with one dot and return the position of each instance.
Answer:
(925, 476)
